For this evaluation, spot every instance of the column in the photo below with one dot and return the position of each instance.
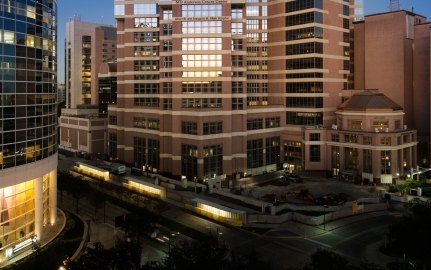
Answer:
(53, 197)
(38, 207)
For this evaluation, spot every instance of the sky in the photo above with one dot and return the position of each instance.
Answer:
(102, 11)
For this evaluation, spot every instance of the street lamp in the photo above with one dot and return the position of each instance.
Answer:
(324, 217)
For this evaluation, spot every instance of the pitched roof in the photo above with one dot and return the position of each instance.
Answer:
(369, 100)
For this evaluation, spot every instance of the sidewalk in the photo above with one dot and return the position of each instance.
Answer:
(296, 229)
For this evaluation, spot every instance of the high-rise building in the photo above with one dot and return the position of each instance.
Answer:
(88, 46)
(225, 88)
(392, 54)
(28, 121)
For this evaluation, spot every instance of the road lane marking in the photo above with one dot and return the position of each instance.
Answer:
(317, 242)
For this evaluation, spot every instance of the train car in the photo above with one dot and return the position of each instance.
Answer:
(91, 171)
(145, 188)
(217, 212)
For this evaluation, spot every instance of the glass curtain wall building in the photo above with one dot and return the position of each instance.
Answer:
(217, 88)
(28, 150)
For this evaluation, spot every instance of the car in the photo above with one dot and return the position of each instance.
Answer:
(293, 177)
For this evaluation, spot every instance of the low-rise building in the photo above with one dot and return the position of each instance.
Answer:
(367, 143)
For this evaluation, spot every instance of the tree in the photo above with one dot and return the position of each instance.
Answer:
(209, 253)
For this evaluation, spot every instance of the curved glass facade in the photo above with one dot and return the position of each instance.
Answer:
(28, 121)
(28, 81)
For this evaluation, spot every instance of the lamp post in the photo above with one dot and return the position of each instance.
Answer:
(324, 217)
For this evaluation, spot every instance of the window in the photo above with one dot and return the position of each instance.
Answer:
(139, 122)
(252, 25)
(367, 140)
(147, 102)
(189, 161)
(144, 51)
(355, 124)
(237, 44)
(167, 61)
(201, 27)
(385, 162)
(146, 88)
(380, 125)
(118, 10)
(201, 60)
(167, 87)
(237, 87)
(167, 29)
(351, 138)
(272, 150)
(252, 87)
(145, 9)
(213, 160)
(167, 14)
(304, 118)
(304, 18)
(255, 153)
(314, 136)
(252, 11)
(189, 128)
(146, 23)
(385, 141)
(153, 124)
(304, 102)
(201, 10)
(304, 48)
(303, 4)
(139, 148)
(146, 65)
(167, 104)
(253, 37)
(314, 153)
(167, 45)
(201, 87)
(335, 137)
(201, 102)
(253, 124)
(236, 13)
(237, 61)
(146, 36)
(237, 104)
(236, 28)
(197, 44)
(213, 128)
(304, 33)
(304, 63)
(112, 119)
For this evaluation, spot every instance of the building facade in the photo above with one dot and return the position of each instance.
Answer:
(368, 143)
(401, 73)
(28, 121)
(88, 46)
(224, 88)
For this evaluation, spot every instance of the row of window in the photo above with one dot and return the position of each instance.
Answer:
(206, 43)
(202, 27)
(148, 123)
(304, 18)
(304, 102)
(201, 87)
(201, 102)
(201, 60)
(9, 37)
(201, 10)
(304, 48)
(208, 128)
(271, 122)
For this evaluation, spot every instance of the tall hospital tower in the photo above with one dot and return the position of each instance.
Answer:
(28, 113)
(224, 87)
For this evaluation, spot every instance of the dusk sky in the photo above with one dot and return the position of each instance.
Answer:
(101, 11)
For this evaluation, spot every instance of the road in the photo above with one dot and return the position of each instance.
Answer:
(283, 249)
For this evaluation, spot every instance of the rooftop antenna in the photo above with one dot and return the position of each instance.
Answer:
(394, 5)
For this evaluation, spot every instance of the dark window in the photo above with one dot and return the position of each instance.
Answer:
(253, 124)
(304, 118)
(272, 150)
(314, 153)
(189, 128)
(213, 160)
(254, 153)
(213, 128)
(314, 136)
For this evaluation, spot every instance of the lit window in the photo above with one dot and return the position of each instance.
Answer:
(9, 37)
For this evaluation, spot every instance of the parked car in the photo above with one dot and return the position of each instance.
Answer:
(293, 177)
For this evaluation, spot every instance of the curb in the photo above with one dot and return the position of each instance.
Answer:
(83, 243)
